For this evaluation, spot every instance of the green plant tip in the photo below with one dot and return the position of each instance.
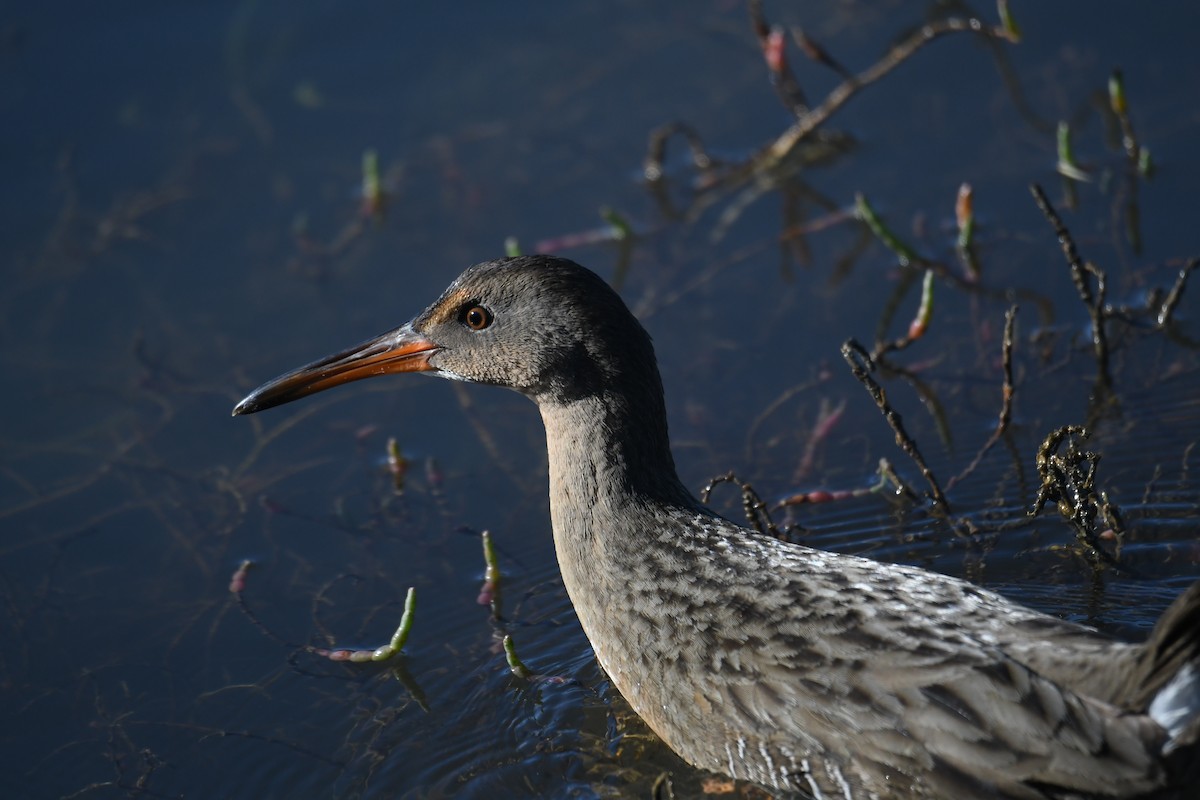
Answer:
(904, 254)
(372, 185)
(1007, 22)
(1145, 162)
(492, 573)
(370, 162)
(621, 230)
(1063, 139)
(406, 622)
(510, 655)
(1116, 94)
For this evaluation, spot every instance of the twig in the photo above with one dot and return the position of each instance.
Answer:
(237, 587)
(756, 510)
(786, 143)
(656, 151)
(860, 364)
(1167, 309)
(1095, 303)
(817, 53)
(662, 789)
(888, 473)
(1006, 394)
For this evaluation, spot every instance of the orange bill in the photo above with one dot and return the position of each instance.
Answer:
(401, 350)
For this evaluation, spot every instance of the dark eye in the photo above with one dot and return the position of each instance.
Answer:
(477, 318)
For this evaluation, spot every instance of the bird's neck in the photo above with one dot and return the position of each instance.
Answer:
(613, 496)
(623, 527)
(606, 451)
(612, 480)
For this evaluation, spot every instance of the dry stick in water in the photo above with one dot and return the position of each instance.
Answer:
(817, 53)
(1006, 400)
(237, 587)
(888, 474)
(656, 151)
(1079, 275)
(768, 159)
(662, 789)
(1069, 481)
(320, 599)
(786, 143)
(1176, 294)
(860, 364)
(756, 510)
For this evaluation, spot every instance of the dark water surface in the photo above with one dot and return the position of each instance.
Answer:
(183, 221)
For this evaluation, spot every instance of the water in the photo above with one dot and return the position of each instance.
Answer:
(183, 223)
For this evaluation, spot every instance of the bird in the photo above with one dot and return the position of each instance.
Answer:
(809, 672)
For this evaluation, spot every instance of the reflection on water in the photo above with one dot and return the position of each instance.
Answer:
(186, 219)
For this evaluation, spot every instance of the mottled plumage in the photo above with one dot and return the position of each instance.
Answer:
(806, 671)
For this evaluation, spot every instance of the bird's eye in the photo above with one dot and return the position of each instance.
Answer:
(477, 318)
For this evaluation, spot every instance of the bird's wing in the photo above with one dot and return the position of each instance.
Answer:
(892, 704)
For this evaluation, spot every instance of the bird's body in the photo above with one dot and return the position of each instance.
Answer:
(806, 671)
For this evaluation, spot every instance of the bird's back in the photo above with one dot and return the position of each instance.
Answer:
(812, 671)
